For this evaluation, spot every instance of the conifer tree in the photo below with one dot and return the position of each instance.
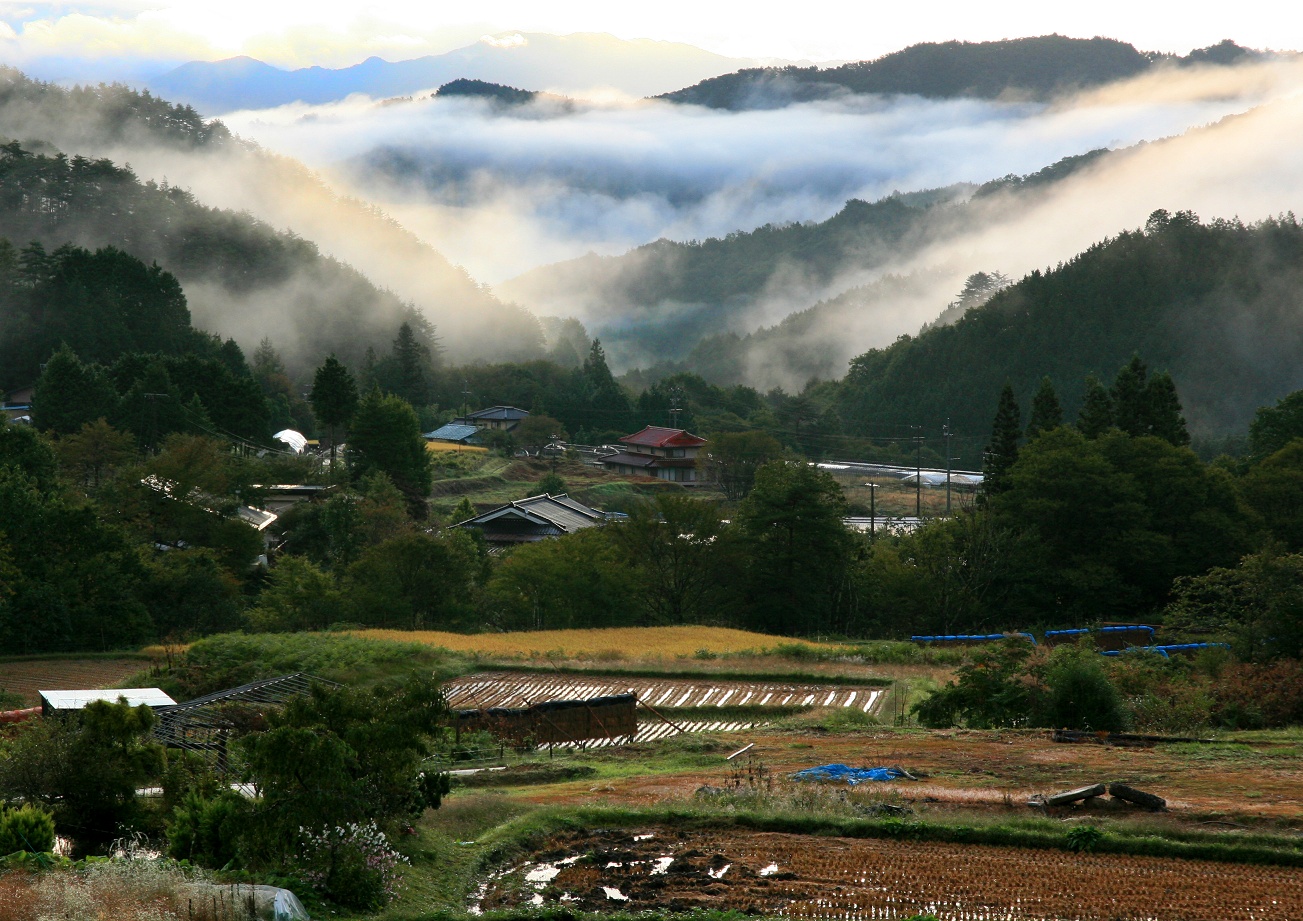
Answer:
(1002, 452)
(70, 394)
(1130, 410)
(1163, 410)
(334, 398)
(1047, 414)
(411, 359)
(1096, 416)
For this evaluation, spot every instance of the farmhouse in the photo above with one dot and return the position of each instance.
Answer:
(668, 454)
(536, 518)
(499, 418)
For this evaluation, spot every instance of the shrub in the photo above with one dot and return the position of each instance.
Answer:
(1249, 696)
(354, 865)
(997, 687)
(1081, 696)
(28, 828)
(207, 831)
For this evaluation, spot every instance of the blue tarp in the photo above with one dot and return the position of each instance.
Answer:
(848, 774)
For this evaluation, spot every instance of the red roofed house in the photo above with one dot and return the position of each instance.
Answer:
(669, 454)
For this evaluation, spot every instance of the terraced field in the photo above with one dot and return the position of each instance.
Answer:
(849, 879)
(506, 689)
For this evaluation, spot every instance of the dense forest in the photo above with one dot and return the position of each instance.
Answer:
(1038, 68)
(1216, 305)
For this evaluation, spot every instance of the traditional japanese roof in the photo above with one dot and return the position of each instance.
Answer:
(499, 414)
(534, 518)
(452, 432)
(649, 461)
(654, 436)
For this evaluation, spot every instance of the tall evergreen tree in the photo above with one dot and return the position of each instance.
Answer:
(385, 436)
(70, 394)
(1047, 413)
(1163, 410)
(608, 405)
(411, 360)
(334, 399)
(1130, 409)
(1002, 452)
(1096, 416)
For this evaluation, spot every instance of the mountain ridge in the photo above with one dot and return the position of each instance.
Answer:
(575, 62)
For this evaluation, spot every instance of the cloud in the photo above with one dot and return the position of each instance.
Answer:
(606, 177)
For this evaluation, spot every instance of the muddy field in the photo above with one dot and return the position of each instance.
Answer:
(506, 689)
(851, 879)
(32, 675)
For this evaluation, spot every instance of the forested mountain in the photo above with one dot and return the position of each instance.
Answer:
(243, 278)
(567, 62)
(656, 302)
(1036, 68)
(278, 284)
(1218, 306)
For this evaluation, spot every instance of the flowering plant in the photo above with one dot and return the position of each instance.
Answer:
(353, 865)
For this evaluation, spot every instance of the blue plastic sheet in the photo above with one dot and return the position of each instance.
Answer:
(842, 773)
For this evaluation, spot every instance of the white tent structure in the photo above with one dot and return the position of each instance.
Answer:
(294, 440)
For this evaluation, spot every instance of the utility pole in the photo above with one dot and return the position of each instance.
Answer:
(674, 407)
(873, 510)
(465, 399)
(918, 473)
(152, 399)
(945, 430)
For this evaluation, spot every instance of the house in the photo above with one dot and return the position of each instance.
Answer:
(454, 433)
(536, 518)
(17, 405)
(668, 454)
(278, 497)
(500, 418)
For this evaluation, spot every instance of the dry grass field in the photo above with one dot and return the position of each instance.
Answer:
(617, 644)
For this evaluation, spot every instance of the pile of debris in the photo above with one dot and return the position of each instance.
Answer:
(1088, 795)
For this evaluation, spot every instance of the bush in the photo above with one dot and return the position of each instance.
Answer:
(28, 828)
(1081, 696)
(207, 831)
(354, 865)
(1249, 696)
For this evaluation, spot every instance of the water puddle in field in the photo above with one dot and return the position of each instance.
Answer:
(615, 894)
(768, 871)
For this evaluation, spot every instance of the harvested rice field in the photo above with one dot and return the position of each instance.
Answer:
(659, 868)
(507, 689)
(614, 644)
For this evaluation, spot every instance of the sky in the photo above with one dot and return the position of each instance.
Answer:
(54, 39)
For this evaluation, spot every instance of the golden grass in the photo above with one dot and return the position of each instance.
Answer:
(613, 644)
(441, 446)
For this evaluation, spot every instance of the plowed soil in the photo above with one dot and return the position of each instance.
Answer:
(32, 675)
(777, 874)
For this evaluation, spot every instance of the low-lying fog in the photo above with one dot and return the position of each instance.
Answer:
(501, 190)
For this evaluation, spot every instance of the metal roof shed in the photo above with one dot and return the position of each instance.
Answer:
(67, 701)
